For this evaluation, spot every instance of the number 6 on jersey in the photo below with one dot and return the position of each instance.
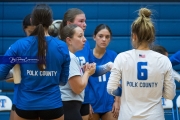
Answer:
(142, 73)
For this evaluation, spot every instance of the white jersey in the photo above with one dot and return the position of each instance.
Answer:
(146, 77)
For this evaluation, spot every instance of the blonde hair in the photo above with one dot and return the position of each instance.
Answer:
(143, 27)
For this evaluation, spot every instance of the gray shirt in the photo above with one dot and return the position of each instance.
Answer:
(66, 92)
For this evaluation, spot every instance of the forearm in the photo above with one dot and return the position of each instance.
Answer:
(113, 83)
(169, 90)
(10, 74)
(116, 92)
(9, 77)
(10, 80)
(84, 81)
(4, 71)
(102, 69)
(117, 99)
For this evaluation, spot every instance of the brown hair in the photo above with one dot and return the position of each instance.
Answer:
(143, 27)
(69, 16)
(41, 18)
(68, 31)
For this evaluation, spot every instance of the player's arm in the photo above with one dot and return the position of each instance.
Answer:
(9, 77)
(176, 75)
(169, 90)
(5, 68)
(77, 82)
(113, 82)
(102, 69)
(65, 66)
(11, 80)
(175, 58)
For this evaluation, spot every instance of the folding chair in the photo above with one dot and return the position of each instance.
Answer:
(178, 106)
(5, 103)
(168, 107)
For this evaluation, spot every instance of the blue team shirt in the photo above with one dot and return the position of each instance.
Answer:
(175, 58)
(39, 90)
(85, 55)
(101, 101)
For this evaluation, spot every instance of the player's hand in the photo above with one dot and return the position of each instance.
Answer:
(90, 68)
(116, 108)
(10, 80)
(90, 112)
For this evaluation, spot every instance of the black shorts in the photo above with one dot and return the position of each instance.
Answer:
(13, 107)
(42, 114)
(84, 109)
(72, 110)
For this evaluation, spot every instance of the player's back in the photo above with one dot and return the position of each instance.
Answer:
(41, 86)
(144, 75)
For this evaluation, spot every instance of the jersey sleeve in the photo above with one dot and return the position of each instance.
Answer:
(169, 89)
(5, 68)
(175, 58)
(102, 69)
(75, 68)
(115, 76)
(65, 66)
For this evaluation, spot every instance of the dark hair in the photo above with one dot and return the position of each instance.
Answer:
(159, 49)
(41, 18)
(68, 31)
(26, 21)
(69, 16)
(143, 27)
(102, 26)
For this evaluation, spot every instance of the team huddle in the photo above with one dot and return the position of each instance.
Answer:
(71, 81)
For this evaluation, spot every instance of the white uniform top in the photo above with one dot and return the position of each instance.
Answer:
(146, 77)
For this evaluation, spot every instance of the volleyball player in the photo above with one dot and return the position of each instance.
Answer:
(146, 75)
(38, 95)
(73, 91)
(77, 16)
(162, 50)
(28, 29)
(104, 106)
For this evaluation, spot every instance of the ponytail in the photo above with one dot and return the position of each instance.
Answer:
(41, 18)
(42, 46)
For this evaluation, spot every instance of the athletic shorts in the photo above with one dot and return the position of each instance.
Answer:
(72, 110)
(42, 114)
(84, 109)
(13, 107)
